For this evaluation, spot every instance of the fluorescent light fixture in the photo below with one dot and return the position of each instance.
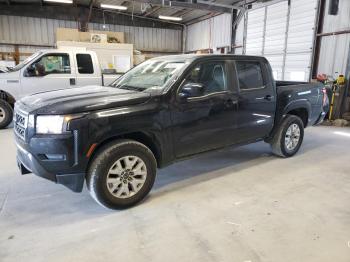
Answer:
(117, 7)
(60, 1)
(172, 18)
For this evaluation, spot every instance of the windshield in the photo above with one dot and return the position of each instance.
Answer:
(25, 62)
(151, 74)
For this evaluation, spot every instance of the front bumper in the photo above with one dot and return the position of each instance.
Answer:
(54, 158)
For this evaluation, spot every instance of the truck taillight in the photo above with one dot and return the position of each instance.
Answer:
(324, 91)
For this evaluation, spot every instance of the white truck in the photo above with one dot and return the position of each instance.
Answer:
(49, 70)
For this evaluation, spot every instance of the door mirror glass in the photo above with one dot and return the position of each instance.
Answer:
(191, 90)
(30, 71)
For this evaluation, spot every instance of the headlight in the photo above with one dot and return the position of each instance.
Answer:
(51, 124)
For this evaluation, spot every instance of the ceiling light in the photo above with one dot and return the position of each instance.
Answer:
(172, 18)
(60, 1)
(117, 7)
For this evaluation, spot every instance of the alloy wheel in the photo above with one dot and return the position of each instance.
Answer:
(292, 137)
(2, 114)
(126, 176)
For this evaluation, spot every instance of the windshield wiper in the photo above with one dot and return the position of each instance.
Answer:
(134, 88)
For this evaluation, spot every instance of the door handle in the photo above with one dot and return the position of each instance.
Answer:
(268, 97)
(72, 81)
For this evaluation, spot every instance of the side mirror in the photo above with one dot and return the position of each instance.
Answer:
(30, 71)
(191, 90)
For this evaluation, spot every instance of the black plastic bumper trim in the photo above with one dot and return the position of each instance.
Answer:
(74, 182)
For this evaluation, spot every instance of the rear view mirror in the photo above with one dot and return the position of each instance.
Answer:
(191, 90)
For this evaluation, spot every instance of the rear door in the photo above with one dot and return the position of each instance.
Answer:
(87, 69)
(256, 100)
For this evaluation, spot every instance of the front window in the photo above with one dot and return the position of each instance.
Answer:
(210, 75)
(153, 74)
(51, 64)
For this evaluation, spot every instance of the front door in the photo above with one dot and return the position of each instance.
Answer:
(206, 121)
(50, 72)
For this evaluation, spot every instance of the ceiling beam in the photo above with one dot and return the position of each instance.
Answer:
(182, 13)
(201, 5)
(79, 14)
(153, 10)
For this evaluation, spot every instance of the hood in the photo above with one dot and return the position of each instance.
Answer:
(82, 99)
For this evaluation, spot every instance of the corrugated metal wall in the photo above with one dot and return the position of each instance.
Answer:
(209, 34)
(42, 31)
(300, 39)
(147, 38)
(255, 32)
(283, 34)
(335, 48)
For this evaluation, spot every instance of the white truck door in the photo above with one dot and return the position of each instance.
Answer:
(52, 71)
(88, 71)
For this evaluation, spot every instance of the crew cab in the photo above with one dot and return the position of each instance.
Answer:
(164, 110)
(49, 70)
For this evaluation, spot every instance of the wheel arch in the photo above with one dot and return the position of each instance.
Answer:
(7, 97)
(299, 108)
(147, 139)
(302, 113)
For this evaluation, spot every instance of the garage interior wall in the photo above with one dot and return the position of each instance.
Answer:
(211, 33)
(42, 31)
(335, 48)
(284, 34)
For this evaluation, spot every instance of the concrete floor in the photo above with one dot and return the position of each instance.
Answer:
(240, 205)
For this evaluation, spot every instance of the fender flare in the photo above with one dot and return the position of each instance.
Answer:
(293, 105)
(7, 97)
(298, 104)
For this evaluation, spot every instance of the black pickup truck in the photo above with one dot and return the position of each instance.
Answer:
(161, 111)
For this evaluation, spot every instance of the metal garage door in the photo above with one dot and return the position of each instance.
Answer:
(284, 34)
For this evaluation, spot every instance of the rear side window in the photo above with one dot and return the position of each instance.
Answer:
(249, 75)
(85, 65)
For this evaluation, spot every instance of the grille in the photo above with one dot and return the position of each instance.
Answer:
(20, 124)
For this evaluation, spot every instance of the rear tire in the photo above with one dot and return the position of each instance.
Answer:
(6, 114)
(289, 137)
(121, 174)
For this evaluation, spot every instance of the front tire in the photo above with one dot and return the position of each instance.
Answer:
(289, 137)
(6, 114)
(121, 174)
